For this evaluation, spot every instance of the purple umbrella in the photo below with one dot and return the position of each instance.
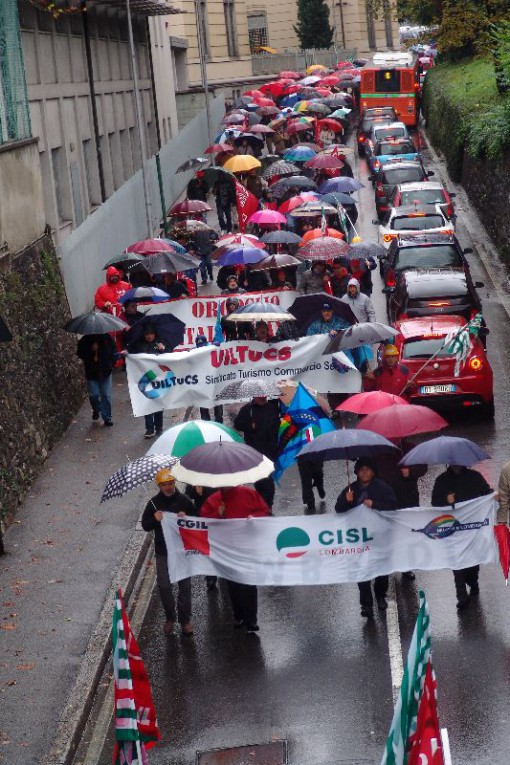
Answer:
(222, 464)
(235, 256)
(445, 450)
(342, 184)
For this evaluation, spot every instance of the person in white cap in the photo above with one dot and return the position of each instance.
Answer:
(360, 304)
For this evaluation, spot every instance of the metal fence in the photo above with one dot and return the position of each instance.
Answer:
(299, 60)
(14, 111)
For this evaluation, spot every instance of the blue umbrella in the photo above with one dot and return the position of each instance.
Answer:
(144, 293)
(342, 184)
(291, 100)
(241, 256)
(177, 247)
(345, 444)
(445, 450)
(299, 154)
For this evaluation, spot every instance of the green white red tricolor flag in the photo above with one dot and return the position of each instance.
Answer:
(415, 736)
(136, 727)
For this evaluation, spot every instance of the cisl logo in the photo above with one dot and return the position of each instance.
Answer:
(292, 542)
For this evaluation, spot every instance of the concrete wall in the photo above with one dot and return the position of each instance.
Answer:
(121, 219)
(22, 218)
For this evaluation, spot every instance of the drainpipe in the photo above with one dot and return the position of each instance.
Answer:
(158, 133)
(95, 121)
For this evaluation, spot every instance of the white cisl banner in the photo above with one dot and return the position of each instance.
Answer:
(199, 314)
(330, 549)
(199, 377)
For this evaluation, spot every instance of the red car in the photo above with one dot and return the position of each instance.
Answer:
(438, 383)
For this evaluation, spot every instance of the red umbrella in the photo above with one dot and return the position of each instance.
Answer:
(261, 101)
(241, 240)
(325, 162)
(267, 111)
(216, 148)
(273, 89)
(293, 202)
(289, 75)
(401, 420)
(502, 534)
(325, 92)
(372, 401)
(324, 248)
(329, 124)
(262, 129)
(318, 233)
(149, 247)
(296, 127)
(331, 79)
(189, 206)
(253, 93)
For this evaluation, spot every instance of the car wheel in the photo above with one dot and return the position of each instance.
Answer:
(488, 410)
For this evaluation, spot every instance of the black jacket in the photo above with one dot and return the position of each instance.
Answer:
(468, 484)
(198, 499)
(378, 491)
(406, 491)
(173, 504)
(97, 366)
(142, 346)
(259, 425)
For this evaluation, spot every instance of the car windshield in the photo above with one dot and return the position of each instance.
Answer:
(423, 196)
(433, 256)
(424, 348)
(389, 132)
(416, 223)
(403, 175)
(393, 147)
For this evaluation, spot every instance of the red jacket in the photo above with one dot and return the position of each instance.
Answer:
(110, 293)
(389, 379)
(239, 502)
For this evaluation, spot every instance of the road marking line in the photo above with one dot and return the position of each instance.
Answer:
(394, 641)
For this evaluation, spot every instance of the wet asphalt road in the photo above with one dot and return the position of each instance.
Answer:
(317, 674)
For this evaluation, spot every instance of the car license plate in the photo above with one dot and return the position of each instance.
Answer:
(437, 389)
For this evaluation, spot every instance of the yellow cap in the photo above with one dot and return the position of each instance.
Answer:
(355, 239)
(390, 350)
(164, 476)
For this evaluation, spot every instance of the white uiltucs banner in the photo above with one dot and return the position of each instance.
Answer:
(200, 377)
(330, 549)
(199, 314)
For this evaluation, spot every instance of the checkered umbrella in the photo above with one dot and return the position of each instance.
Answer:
(134, 474)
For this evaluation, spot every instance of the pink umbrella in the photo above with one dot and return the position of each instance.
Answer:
(267, 216)
(325, 162)
(372, 401)
(399, 421)
(260, 129)
(149, 247)
(189, 206)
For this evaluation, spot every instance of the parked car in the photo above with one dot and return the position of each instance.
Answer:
(428, 193)
(432, 292)
(382, 114)
(391, 175)
(386, 149)
(444, 382)
(412, 219)
(415, 251)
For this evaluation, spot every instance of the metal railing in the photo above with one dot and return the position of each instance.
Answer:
(299, 60)
(14, 111)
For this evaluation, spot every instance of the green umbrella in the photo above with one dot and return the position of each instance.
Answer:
(180, 439)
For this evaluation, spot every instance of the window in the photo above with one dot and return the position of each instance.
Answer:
(418, 223)
(387, 81)
(257, 30)
(202, 22)
(230, 28)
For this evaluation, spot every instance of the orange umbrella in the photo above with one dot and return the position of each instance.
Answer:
(241, 163)
(316, 233)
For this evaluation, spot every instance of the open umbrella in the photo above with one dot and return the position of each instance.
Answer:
(445, 450)
(288, 74)
(363, 250)
(175, 246)
(315, 107)
(193, 225)
(261, 129)
(144, 293)
(299, 154)
(281, 237)
(298, 127)
(317, 233)
(214, 174)
(192, 164)
(298, 182)
(135, 473)
(168, 328)
(347, 444)
(368, 402)
(502, 534)
(149, 247)
(399, 421)
(123, 261)
(363, 333)
(330, 124)
(343, 184)
(324, 248)
(281, 260)
(180, 439)
(241, 163)
(165, 263)
(325, 162)
(240, 240)
(222, 464)
(245, 390)
(236, 256)
(338, 198)
(267, 111)
(189, 206)
(313, 207)
(267, 217)
(280, 167)
(260, 311)
(297, 201)
(307, 308)
(95, 323)
(216, 148)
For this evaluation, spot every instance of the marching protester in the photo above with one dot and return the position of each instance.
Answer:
(328, 324)
(339, 279)
(169, 500)
(224, 192)
(369, 490)
(99, 356)
(239, 502)
(198, 188)
(262, 332)
(108, 294)
(314, 279)
(458, 484)
(391, 376)
(174, 288)
(235, 330)
(360, 304)
(150, 343)
(259, 422)
(232, 287)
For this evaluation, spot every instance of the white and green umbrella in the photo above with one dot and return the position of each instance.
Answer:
(180, 439)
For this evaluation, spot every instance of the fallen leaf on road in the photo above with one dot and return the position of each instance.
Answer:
(10, 682)
(25, 666)
(8, 627)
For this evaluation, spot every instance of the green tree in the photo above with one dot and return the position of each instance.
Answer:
(313, 28)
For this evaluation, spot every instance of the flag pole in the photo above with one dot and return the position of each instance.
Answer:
(445, 742)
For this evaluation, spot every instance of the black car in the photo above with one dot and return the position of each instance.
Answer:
(421, 251)
(368, 117)
(433, 292)
(391, 175)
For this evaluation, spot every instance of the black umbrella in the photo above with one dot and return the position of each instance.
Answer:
(280, 167)
(192, 164)
(307, 308)
(346, 444)
(168, 328)
(281, 237)
(135, 473)
(338, 198)
(165, 263)
(95, 323)
(214, 174)
(224, 463)
(366, 250)
(123, 261)
(5, 333)
(280, 260)
(298, 182)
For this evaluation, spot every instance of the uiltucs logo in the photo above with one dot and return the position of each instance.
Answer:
(155, 382)
(445, 525)
(294, 542)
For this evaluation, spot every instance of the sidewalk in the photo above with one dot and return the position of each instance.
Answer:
(65, 556)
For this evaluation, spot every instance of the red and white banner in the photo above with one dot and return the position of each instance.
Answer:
(246, 203)
(199, 314)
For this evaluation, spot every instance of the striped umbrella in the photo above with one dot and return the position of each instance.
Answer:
(180, 439)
